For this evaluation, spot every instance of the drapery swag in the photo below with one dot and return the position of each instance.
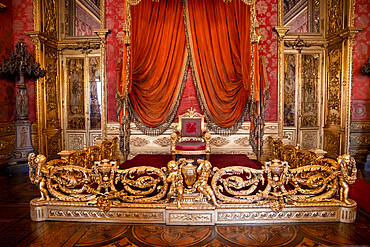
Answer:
(225, 64)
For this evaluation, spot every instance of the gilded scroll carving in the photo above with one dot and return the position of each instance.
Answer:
(334, 86)
(50, 19)
(54, 146)
(51, 85)
(335, 12)
(316, 16)
(92, 176)
(332, 143)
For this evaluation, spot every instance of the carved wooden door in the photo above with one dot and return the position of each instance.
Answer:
(82, 100)
(303, 108)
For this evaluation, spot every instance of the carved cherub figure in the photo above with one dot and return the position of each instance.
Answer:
(204, 172)
(42, 170)
(176, 179)
(348, 175)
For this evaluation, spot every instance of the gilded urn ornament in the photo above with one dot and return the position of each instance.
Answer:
(189, 171)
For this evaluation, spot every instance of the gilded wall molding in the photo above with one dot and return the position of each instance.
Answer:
(45, 39)
(86, 46)
(360, 126)
(360, 140)
(281, 31)
(334, 90)
(7, 140)
(332, 142)
(335, 16)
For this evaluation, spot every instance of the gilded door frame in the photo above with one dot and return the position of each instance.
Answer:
(89, 135)
(294, 134)
(48, 35)
(337, 29)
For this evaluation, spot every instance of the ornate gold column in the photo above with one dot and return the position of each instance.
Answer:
(281, 31)
(348, 39)
(48, 105)
(102, 33)
(340, 34)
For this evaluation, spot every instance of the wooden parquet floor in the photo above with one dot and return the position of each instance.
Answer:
(16, 228)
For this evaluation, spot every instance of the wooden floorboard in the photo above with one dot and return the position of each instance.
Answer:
(16, 228)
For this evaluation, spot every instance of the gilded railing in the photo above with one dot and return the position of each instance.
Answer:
(92, 175)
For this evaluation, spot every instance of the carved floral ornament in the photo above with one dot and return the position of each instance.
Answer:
(93, 176)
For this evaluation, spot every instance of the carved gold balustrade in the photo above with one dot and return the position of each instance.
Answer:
(311, 188)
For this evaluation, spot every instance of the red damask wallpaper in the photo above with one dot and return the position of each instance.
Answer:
(22, 12)
(267, 18)
(16, 19)
(114, 18)
(7, 95)
(361, 83)
(189, 96)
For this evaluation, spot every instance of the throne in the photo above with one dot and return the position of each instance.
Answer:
(191, 139)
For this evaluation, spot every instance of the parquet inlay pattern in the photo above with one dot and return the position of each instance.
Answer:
(16, 228)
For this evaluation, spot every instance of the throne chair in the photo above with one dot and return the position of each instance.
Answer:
(191, 139)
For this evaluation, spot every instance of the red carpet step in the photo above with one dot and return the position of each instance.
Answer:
(217, 160)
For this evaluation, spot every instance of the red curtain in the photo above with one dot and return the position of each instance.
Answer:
(158, 59)
(219, 40)
(221, 52)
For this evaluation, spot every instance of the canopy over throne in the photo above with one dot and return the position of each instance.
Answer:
(191, 138)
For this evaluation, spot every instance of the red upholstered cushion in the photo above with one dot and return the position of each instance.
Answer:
(191, 127)
(191, 145)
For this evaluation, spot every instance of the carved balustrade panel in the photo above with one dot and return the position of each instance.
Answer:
(93, 176)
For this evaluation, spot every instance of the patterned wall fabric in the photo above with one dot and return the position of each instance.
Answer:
(114, 19)
(7, 98)
(267, 18)
(361, 83)
(16, 19)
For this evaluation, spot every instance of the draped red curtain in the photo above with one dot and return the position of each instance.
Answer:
(219, 37)
(220, 44)
(158, 59)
